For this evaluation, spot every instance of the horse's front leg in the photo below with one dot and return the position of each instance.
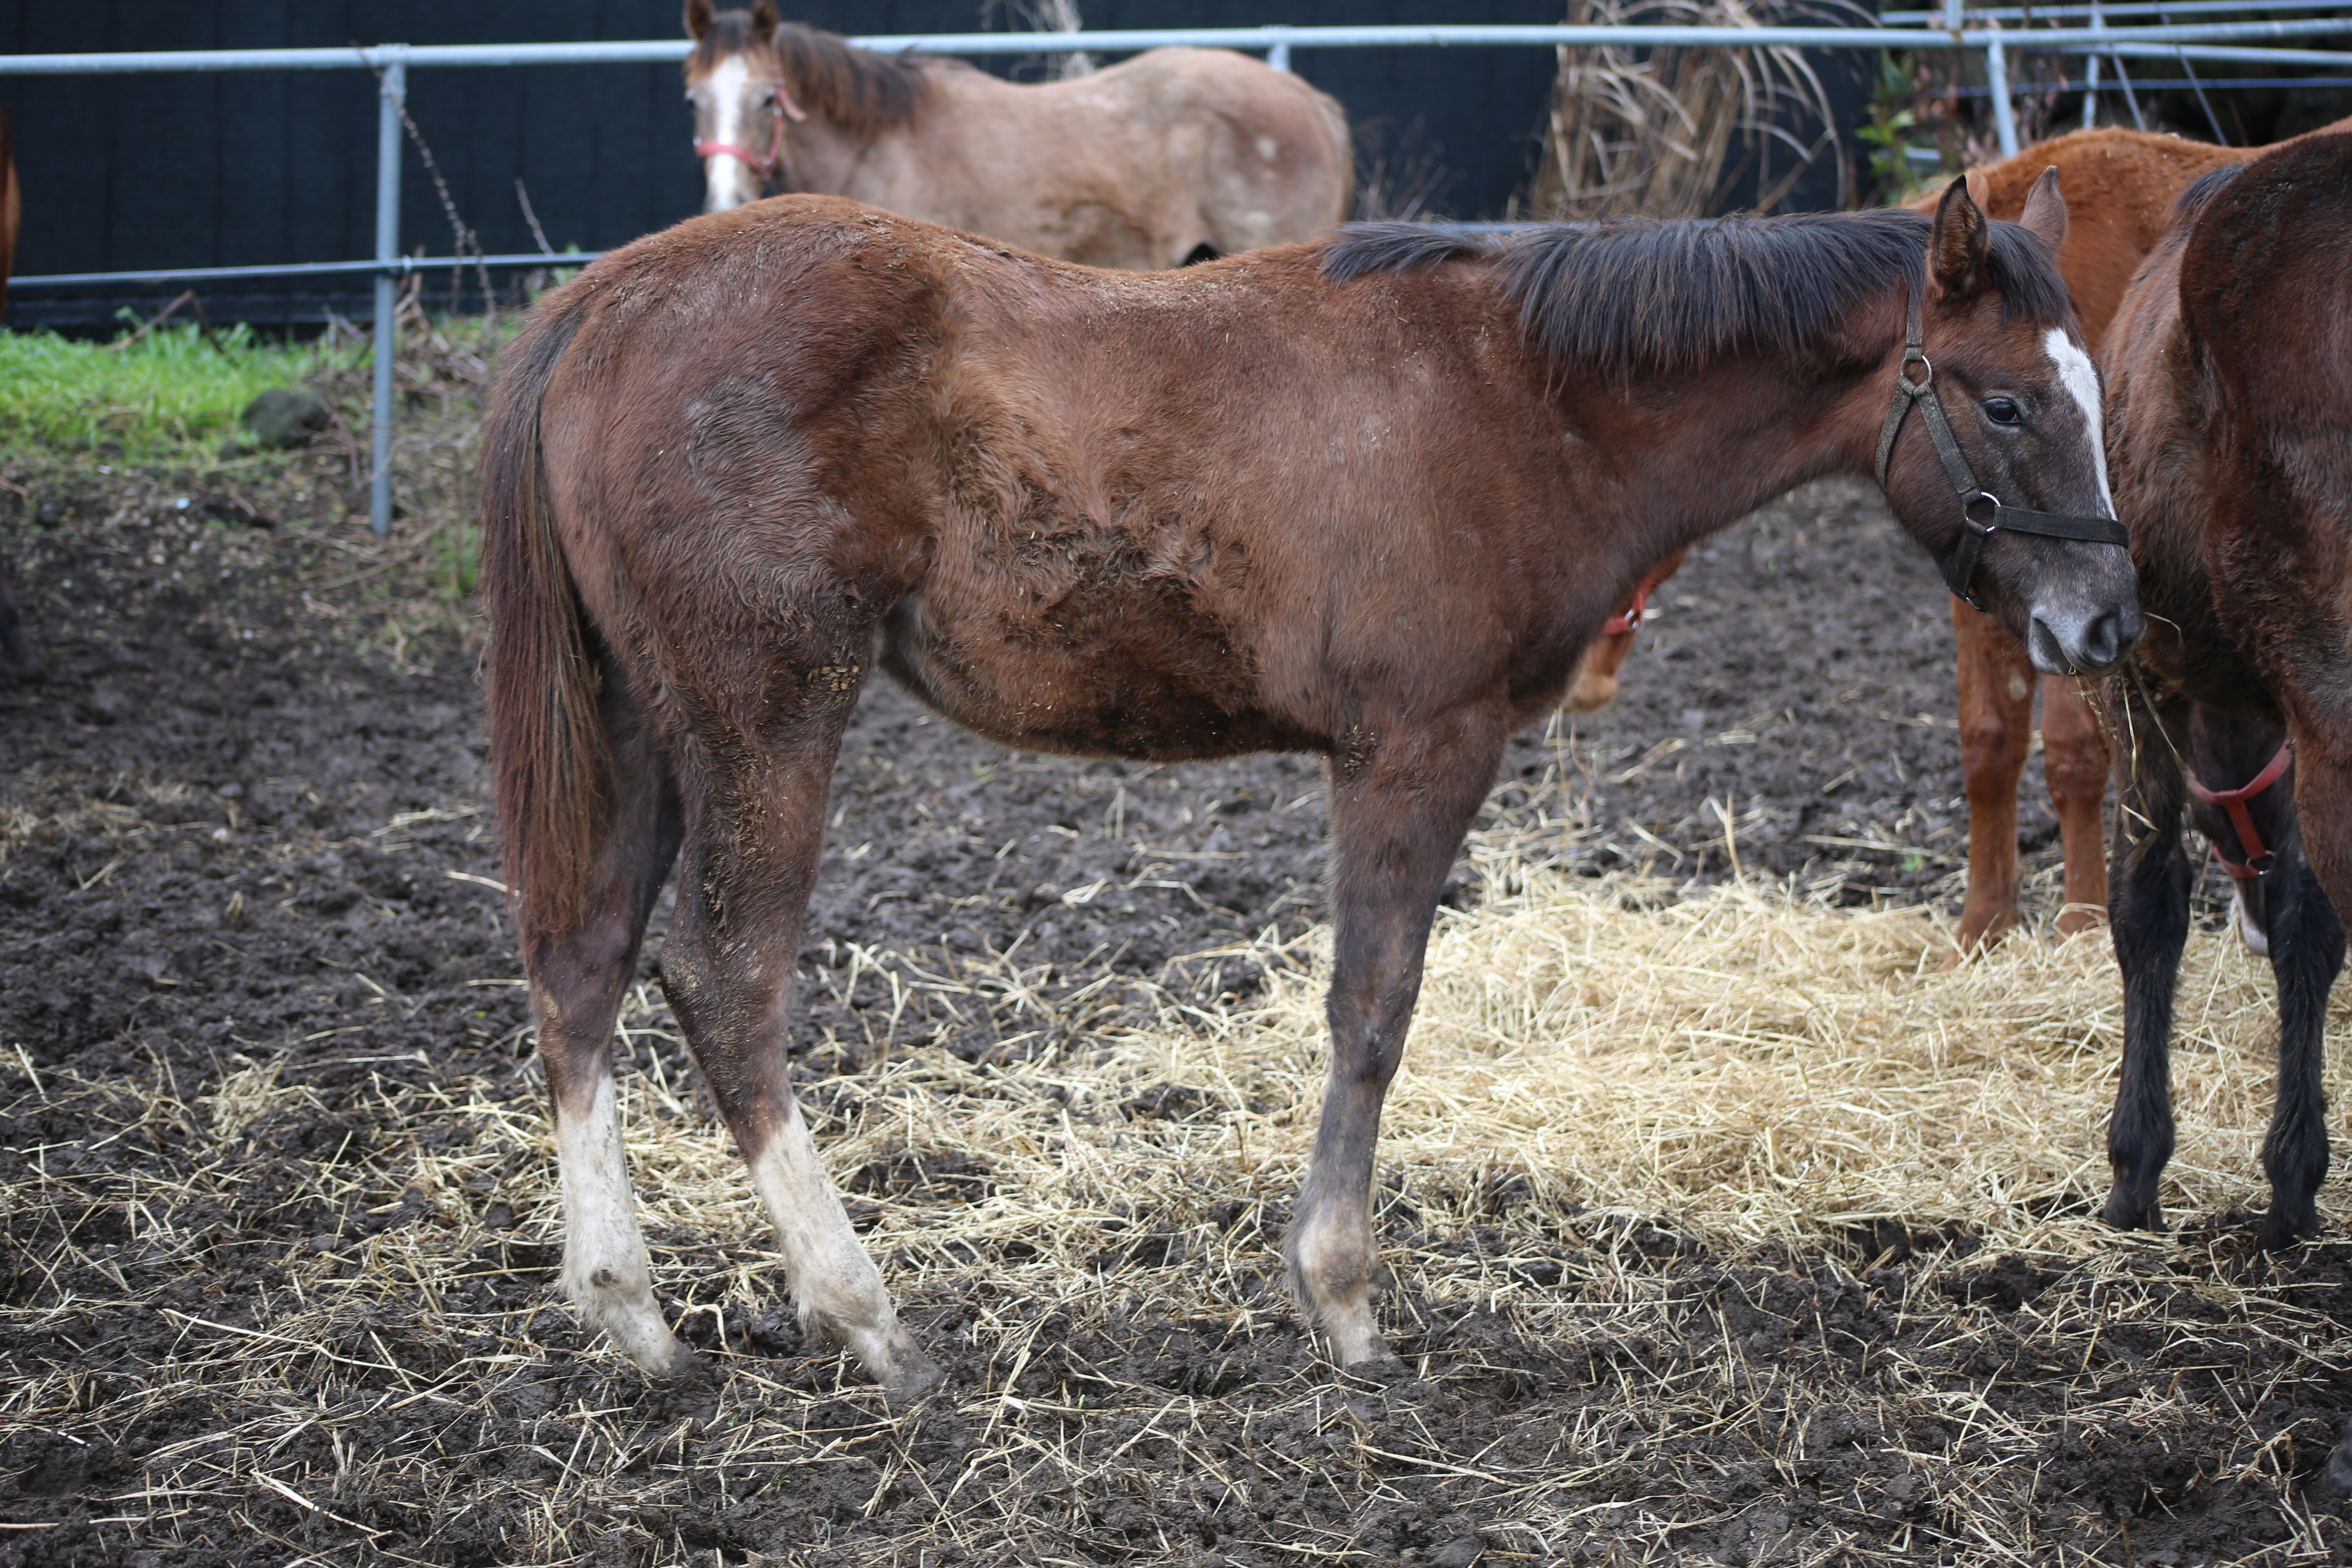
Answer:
(1400, 802)
(2074, 763)
(755, 823)
(1996, 688)
(2309, 885)
(2306, 951)
(2149, 875)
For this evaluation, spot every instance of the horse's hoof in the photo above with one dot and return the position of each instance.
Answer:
(2338, 1474)
(2281, 1234)
(915, 1376)
(2126, 1213)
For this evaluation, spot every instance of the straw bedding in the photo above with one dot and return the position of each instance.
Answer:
(1729, 1221)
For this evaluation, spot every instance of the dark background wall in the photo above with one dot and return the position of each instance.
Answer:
(175, 169)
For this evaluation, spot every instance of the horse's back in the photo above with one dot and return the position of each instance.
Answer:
(2267, 304)
(1138, 163)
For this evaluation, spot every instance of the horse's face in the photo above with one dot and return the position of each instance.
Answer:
(2023, 404)
(739, 101)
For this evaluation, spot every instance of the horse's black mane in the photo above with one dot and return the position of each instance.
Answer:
(2201, 193)
(860, 89)
(1626, 292)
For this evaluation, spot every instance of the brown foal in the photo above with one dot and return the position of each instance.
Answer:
(1372, 498)
(2230, 369)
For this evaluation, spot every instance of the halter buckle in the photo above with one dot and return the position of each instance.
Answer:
(1927, 367)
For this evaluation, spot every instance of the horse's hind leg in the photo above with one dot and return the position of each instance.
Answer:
(755, 828)
(1397, 820)
(2074, 763)
(2307, 943)
(2148, 922)
(577, 980)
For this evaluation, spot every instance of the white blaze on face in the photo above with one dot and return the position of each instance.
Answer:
(2074, 369)
(724, 171)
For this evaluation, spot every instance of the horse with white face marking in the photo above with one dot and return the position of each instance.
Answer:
(1165, 158)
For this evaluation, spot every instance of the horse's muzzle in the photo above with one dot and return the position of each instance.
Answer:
(2090, 643)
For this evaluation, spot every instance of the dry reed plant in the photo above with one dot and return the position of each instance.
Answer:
(1656, 131)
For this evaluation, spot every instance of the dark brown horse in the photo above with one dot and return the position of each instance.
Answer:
(1372, 498)
(2229, 366)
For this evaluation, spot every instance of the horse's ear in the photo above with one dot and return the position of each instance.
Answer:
(699, 18)
(2045, 210)
(764, 20)
(1956, 249)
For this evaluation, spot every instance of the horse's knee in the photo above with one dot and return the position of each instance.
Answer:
(1992, 754)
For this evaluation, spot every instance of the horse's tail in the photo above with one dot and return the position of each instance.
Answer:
(549, 761)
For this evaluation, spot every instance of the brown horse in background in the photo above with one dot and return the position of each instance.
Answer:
(2230, 373)
(17, 659)
(1370, 498)
(1171, 155)
(2119, 187)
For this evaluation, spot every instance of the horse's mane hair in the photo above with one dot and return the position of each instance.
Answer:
(1627, 292)
(864, 91)
(2199, 194)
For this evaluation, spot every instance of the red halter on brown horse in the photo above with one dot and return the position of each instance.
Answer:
(1370, 498)
(2229, 366)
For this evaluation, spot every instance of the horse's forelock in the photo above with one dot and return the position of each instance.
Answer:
(730, 32)
(862, 90)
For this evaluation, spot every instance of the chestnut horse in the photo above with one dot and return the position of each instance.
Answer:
(17, 659)
(1372, 498)
(2230, 370)
(1171, 155)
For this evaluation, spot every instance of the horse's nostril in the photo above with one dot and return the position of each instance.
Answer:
(2101, 644)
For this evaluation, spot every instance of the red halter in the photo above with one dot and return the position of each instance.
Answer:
(2233, 801)
(770, 167)
(1630, 618)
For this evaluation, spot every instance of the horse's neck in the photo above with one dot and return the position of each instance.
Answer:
(826, 156)
(1720, 441)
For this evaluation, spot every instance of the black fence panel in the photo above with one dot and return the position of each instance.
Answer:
(173, 170)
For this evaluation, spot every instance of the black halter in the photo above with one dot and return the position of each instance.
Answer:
(1961, 570)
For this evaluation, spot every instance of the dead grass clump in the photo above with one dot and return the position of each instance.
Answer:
(1621, 1180)
(1671, 133)
(1756, 1068)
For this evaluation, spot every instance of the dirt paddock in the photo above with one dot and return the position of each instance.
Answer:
(1727, 1224)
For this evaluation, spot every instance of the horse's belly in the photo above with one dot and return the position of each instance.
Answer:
(1155, 687)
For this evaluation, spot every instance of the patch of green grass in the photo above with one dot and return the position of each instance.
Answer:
(173, 392)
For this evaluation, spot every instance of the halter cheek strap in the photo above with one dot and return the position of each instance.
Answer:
(2259, 856)
(1976, 525)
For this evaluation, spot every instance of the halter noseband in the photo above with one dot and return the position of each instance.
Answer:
(1961, 570)
(771, 167)
(2259, 856)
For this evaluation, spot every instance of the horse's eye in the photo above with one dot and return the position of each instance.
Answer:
(2004, 411)
(768, 99)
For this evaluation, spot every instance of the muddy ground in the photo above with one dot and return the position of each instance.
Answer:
(279, 1240)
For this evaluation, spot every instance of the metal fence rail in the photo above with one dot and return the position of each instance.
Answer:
(1947, 28)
